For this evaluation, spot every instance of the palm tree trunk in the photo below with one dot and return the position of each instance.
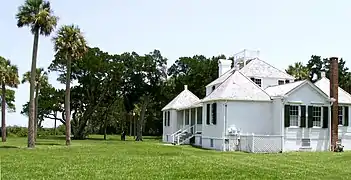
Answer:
(36, 112)
(31, 141)
(67, 102)
(3, 109)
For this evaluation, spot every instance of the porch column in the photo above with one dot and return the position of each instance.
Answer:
(183, 118)
(189, 110)
(195, 120)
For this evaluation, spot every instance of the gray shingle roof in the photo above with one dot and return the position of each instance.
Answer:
(260, 68)
(184, 100)
(324, 85)
(237, 87)
(281, 90)
(221, 78)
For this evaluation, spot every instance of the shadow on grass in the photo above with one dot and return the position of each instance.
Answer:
(8, 147)
(109, 138)
(47, 143)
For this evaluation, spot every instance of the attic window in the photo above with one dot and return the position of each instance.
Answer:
(213, 88)
(257, 81)
(280, 82)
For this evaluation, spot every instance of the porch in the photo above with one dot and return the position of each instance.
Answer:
(188, 124)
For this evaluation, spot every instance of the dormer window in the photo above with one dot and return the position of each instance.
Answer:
(280, 82)
(257, 81)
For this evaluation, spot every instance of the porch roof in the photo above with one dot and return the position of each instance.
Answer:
(186, 99)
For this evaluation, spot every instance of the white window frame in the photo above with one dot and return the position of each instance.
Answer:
(210, 118)
(298, 114)
(342, 115)
(321, 117)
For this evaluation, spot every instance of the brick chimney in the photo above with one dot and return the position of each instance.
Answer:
(334, 84)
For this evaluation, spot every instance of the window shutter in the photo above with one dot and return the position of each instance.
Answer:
(208, 114)
(214, 113)
(169, 117)
(325, 117)
(303, 116)
(346, 121)
(310, 117)
(287, 116)
(165, 118)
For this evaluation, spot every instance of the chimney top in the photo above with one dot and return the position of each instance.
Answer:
(333, 58)
(185, 87)
(323, 74)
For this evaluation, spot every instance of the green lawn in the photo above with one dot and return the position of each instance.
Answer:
(114, 159)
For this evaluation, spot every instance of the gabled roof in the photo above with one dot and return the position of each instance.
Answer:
(185, 99)
(286, 89)
(260, 68)
(324, 85)
(237, 87)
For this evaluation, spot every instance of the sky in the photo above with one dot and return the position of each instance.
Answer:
(283, 31)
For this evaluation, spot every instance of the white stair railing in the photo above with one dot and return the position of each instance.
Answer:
(189, 129)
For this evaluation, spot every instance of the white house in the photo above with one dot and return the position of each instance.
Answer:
(257, 108)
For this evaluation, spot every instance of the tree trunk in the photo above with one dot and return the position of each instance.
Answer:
(55, 116)
(67, 102)
(31, 141)
(135, 126)
(141, 121)
(130, 124)
(105, 128)
(36, 112)
(3, 112)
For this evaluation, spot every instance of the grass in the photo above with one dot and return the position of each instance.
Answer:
(114, 159)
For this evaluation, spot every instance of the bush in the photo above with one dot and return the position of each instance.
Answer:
(16, 131)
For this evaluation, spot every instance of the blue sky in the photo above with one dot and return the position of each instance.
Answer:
(283, 31)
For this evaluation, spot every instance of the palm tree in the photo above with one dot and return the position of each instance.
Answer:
(71, 44)
(40, 80)
(38, 15)
(8, 77)
(298, 70)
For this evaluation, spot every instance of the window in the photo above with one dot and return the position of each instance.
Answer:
(211, 142)
(199, 115)
(280, 82)
(287, 81)
(187, 116)
(213, 88)
(294, 115)
(214, 113)
(317, 116)
(306, 142)
(341, 115)
(257, 81)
